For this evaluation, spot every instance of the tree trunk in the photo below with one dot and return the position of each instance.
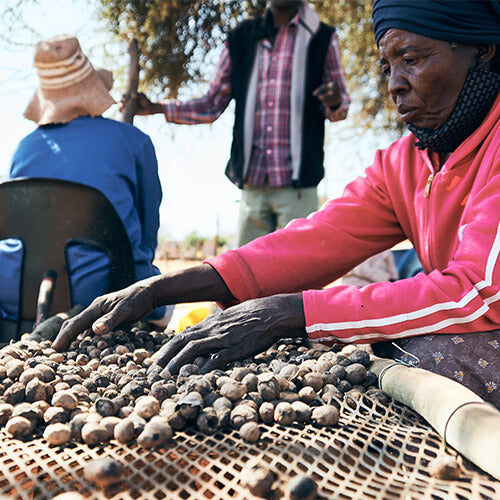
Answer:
(129, 109)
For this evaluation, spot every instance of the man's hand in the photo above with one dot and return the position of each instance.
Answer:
(107, 312)
(337, 115)
(329, 94)
(143, 105)
(236, 333)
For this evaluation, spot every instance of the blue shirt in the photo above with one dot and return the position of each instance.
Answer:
(117, 159)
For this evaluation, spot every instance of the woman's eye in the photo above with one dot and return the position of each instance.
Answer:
(409, 60)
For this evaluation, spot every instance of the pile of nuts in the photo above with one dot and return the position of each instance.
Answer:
(108, 387)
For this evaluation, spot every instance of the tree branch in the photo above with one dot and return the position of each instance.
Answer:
(129, 109)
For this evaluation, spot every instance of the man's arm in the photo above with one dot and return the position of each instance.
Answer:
(206, 109)
(336, 101)
(209, 107)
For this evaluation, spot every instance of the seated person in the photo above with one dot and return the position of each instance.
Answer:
(74, 142)
(439, 187)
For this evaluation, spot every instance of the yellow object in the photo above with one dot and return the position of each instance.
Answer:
(192, 318)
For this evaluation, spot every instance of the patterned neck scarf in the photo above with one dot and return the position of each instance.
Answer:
(475, 100)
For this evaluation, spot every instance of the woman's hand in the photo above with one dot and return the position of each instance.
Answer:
(236, 333)
(137, 301)
(107, 312)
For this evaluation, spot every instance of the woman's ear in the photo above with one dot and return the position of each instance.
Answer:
(484, 55)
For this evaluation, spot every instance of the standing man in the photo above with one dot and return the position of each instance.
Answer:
(283, 71)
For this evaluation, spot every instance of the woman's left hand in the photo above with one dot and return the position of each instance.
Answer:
(236, 333)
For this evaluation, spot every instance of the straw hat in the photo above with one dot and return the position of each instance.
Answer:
(69, 84)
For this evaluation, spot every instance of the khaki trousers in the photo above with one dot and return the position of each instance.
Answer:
(265, 209)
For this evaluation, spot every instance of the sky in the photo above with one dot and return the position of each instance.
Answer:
(197, 197)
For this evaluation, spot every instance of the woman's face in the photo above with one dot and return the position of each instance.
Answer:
(425, 75)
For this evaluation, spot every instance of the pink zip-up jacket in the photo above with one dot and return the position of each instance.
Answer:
(451, 215)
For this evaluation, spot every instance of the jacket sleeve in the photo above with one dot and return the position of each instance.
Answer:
(461, 295)
(312, 252)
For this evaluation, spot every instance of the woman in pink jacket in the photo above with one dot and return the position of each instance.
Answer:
(438, 186)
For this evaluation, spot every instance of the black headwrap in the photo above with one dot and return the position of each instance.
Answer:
(461, 21)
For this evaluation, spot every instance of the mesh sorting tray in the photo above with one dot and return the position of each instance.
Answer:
(375, 452)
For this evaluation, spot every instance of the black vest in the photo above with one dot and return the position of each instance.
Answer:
(242, 43)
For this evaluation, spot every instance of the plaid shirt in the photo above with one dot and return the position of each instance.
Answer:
(270, 162)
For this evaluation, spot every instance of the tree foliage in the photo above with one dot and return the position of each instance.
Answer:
(13, 25)
(176, 36)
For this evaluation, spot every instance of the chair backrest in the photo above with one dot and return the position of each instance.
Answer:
(45, 214)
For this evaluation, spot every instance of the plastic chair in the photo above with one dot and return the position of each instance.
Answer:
(47, 214)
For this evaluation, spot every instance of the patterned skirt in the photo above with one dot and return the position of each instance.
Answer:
(473, 359)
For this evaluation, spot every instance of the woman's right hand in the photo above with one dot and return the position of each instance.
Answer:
(195, 284)
(107, 312)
